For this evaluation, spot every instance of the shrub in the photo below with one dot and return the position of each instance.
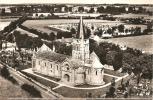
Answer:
(31, 90)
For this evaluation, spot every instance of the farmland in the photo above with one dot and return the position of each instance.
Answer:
(25, 32)
(134, 16)
(5, 22)
(138, 42)
(41, 25)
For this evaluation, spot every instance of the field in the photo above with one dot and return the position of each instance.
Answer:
(143, 42)
(25, 32)
(134, 16)
(8, 19)
(5, 22)
(42, 24)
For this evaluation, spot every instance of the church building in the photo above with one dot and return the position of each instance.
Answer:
(81, 68)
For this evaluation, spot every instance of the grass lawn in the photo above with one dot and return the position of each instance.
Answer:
(41, 80)
(69, 92)
(106, 79)
(143, 42)
(80, 93)
(49, 77)
(86, 86)
(9, 90)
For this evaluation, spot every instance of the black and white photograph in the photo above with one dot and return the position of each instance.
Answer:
(76, 49)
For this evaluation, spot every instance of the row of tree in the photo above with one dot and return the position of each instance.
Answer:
(13, 25)
(64, 8)
(48, 36)
(25, 41)
(116, 30)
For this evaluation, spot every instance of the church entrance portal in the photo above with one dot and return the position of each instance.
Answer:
(67, 77)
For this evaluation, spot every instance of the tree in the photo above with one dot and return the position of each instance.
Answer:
(5, 73)
(149, 28)
(110, 57)
(101, 52)
(117, 62)
(31, 90)
(110, 93)
(73, 31)
(121, 28)
(52, 36)
(70, 9)
(137, 31)
(126, 30)
(113, 82)
(109, 31)
(66, 9)
(100, 9)
(131, 9)
(10, 38)
(88, 32)
(125, 94)
(81, 9)
(3, 11)
(91, 10)
(141, 10)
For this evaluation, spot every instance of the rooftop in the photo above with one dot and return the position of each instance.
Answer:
(52, 56)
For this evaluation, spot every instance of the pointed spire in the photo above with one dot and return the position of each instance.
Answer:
(81, 30)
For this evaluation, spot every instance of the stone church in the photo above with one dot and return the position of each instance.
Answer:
(78, 69)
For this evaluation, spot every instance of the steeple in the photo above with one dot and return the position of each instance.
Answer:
(81, 30)
(80, 49)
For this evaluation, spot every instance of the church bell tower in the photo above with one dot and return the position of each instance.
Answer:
(80, 49)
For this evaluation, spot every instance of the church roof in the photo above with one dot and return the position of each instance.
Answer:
(76, 63)
(81, 33)
(95, 61)
(52, 56)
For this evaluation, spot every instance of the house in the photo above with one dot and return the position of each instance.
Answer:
(8, 46)
(82, 67)
(37, 15)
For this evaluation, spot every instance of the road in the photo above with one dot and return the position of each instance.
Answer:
(21, 80)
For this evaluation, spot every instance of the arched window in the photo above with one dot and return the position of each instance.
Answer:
(50, 65)
(67, 67)
(96, 72)
(57, 67)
